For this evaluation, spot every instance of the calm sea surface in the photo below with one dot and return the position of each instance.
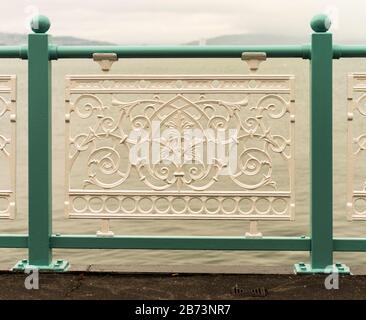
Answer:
(213, 228)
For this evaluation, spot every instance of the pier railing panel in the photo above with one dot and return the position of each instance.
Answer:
(104, 183)
(180, 147)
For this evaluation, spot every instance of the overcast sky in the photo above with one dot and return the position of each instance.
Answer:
(180, 21)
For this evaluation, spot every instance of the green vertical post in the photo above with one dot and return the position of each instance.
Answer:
(321, 121)
(321, 142)
(39, 150)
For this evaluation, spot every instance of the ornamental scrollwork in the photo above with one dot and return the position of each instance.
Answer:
(7, 146)
(189, 146)
(356, 116)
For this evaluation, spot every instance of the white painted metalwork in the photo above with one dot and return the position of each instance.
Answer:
(356, 116)
(105, 60)
(254, 59)
(7, 146)
(103, 182)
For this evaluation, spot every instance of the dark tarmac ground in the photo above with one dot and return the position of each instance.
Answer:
(101, 285)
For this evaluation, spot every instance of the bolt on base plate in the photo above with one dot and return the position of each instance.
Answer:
(305, 268)
(55, 266)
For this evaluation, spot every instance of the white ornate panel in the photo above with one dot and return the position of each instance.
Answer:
(356, 195)
(255, 112)
(7, 145)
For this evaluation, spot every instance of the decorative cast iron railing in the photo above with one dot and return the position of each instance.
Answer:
(108, 116)
(194, 172)
(356, 204)
(7, 146)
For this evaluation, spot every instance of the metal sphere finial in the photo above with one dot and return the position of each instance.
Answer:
(40, 24)
(320, 23)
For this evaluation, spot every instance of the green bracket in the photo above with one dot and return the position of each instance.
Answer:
(304, 268)
(55, 266)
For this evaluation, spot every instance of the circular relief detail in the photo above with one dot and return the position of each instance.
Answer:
(360, 205)
(96, 204)
(262, 206)
(112, 204)
(162, 205)
(145, 205)
(212, 205)
(246, 205)
(195, 205)
(79, 204)
(279, 206)
(128, 205)
(179, 205)
(229, 205)
(4, 205)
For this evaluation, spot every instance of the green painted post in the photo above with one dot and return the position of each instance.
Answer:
(39, 150)
(321, 121)
(321, 145)
(40, 147)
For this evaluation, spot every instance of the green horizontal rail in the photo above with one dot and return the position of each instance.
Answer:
(13, 241)
(180, 243)
(349, 244)
(291, 51)
(79, 52)
(20, 52)
(284, 51)
(201, 243)
(349, 51)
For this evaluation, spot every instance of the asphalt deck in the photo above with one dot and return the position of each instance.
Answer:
(115, 285)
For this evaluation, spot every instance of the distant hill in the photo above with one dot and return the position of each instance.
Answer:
(270, 39)
(19, 39)
(255, 39)
(230, 39)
